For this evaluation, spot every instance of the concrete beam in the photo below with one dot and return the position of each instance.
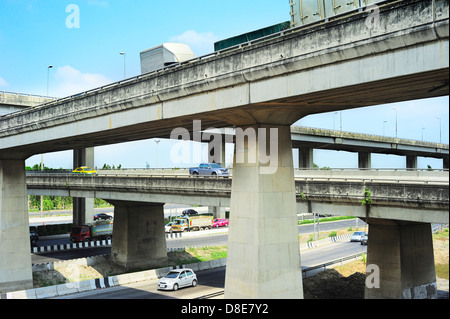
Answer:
(15, 257)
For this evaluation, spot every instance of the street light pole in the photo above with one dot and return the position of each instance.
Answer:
(157, 141)
(440, 129)
(48, 77)
(124, 64)
(396, 122)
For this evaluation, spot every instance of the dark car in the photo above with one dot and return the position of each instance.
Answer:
(364, 239)
(34, 237)
(102, 216)
(189, 212)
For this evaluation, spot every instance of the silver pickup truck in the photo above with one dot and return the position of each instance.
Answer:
(209, 169)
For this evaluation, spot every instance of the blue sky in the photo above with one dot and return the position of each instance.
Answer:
(34, 34)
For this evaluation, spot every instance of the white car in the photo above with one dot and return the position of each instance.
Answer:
(178, 278)
(357, 236)
(167, 227)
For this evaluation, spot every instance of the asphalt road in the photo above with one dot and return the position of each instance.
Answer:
(213, 281)
(213, 240)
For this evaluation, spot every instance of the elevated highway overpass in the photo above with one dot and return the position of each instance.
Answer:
(13, 102)
(328, 66)
(401, 195)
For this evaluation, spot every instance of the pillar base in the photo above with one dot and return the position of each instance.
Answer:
(139, 240)
(403, 252)
(15, 248)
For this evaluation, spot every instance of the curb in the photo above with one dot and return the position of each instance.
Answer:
(101, 243)
(334, 239)
(107, 282)
(46, 249)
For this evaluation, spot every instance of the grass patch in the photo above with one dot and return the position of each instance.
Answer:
(325, 219)
(208, 253)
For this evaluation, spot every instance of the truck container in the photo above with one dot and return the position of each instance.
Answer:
(187, 223)
(164, 55)
(308, 11)
(98, 230)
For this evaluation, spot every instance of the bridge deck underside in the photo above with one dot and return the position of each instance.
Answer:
(428, 85)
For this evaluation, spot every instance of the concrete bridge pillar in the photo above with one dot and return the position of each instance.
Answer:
(138, 237)
(411, 162)
(305, 158)
(403, 253)
(364, 160)
(83, 208)
(263, 251)
(15, 256)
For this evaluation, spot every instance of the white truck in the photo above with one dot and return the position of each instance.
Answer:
(164, 55)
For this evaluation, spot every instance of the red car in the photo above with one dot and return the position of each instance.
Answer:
(220, 222)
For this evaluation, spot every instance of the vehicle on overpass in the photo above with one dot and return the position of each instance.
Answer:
(85, 170)
(165, 55)
(209, 169)
(99, 230)
(188, 223)
(178, 278)
(189, 212)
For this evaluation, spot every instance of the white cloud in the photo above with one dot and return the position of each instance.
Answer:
(200, 43)
(71, 81)
(3, 82)
(99, 3)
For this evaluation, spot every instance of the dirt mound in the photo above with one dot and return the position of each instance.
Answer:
(330, 284)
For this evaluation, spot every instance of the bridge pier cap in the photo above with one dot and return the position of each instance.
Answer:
(264, 135)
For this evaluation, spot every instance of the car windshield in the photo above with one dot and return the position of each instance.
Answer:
(359, 233)
(214, 165)
(172, 274)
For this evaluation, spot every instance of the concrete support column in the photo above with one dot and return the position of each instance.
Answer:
(83, 208)
(364, 160)
(139, 239)
(305, 158)
(216, 155)
(403, 252)
(263, 251)
(445, 163)
(411, 162)
(15, 256)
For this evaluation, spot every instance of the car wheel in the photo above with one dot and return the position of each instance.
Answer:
(175, 287)
(194, 283)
